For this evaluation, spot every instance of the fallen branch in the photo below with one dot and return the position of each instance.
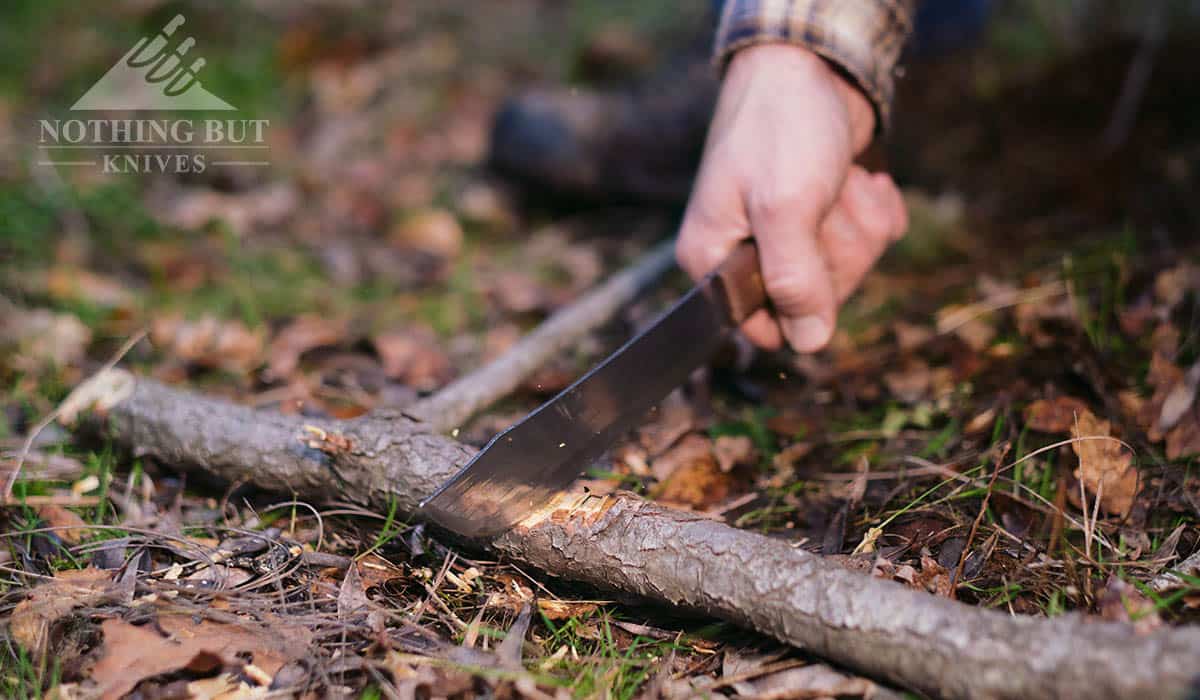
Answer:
(877, 627)
(457, 402)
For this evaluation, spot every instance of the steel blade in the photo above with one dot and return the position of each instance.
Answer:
(523, 467)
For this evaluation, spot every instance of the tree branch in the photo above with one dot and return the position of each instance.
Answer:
(877, 627)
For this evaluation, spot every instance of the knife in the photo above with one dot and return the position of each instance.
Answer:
(525, 466)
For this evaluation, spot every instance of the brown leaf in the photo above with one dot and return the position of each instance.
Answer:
(1171, 286)
(432, 231)
(1105, 467)
(564, 609)
(690, 475)
(412, 355)
(73, 284)
(46, 603)
(734, 451)
(910, 336)
(1121, 602)
(1184, 439)
(934, 578)
(209, 342)
(909, 383)
(37, 339)
(518, 292)
(814, 681)
(304, 333)
(352, 595)
(673, 418)
(69, 526)
(1055, 415)
(132, 653)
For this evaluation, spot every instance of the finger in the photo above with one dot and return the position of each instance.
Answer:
(763, 330)
(895, 199)
(856, 231)
(793, 264)
(712, 226)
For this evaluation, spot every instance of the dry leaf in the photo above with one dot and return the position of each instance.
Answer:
(412, 356)
(298, 337)
(1121, 602)
(1171, 286)
(73, 284)
(1055, 415)
(517, 292)
(690, 476)
(1105, 466)
(38, 339)
(49, 601)
(209, 342)
(933, 578)
(734, 451)
(910, 336)
(814, 681)
(910, 383)
(67, 523)
(132, 653)
(433, 231)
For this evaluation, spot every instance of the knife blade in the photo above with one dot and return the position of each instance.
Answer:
(525, 466)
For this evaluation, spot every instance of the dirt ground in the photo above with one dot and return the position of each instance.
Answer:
(1048, 290)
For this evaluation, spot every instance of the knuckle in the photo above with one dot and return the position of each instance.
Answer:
(795, 289)
(799, 203)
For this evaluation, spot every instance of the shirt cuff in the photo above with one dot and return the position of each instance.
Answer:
(862, 37)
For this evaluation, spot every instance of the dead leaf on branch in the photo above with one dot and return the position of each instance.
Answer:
(1105, 465)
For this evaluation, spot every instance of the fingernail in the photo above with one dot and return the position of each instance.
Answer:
(806, 334)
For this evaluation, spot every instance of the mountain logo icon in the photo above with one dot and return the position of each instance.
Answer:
(153, 75)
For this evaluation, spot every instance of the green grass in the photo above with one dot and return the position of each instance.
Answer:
(600, 663)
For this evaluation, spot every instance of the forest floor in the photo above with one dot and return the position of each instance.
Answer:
(1048, 290)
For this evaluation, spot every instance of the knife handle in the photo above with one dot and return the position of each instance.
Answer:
(739, 279)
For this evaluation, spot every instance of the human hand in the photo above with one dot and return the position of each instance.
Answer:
(778, 166)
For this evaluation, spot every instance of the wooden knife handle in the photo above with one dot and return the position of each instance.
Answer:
(739, 279)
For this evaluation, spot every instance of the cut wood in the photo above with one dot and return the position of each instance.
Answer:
(874, 626)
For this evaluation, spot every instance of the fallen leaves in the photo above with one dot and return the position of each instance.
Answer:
(1105, 466)
(178, 642)
(48, 602)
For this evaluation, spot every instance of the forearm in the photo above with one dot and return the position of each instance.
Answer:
(862, 37)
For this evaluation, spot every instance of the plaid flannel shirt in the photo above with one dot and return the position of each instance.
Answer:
(862, 37)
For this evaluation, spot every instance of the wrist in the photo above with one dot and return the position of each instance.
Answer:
(777, 57)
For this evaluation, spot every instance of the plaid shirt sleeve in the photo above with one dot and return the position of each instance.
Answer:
(862, 37)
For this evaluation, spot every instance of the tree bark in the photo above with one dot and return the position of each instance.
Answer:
(877, 627)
